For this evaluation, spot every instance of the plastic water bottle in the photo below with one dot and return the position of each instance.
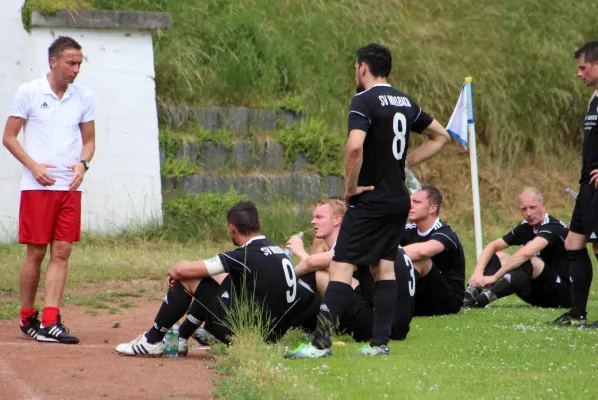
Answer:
(411, 182)
(573, 194)
(288, 251)
(171, 342)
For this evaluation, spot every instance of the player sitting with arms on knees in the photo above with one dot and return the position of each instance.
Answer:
(258, 271)
(538, 272)
(437, 256)
(359, 318)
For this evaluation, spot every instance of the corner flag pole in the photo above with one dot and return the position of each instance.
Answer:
(473, 159)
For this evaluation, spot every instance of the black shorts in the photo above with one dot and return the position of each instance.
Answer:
(584, 220)
(436, 295)
(308, 318)
(215, 302)
(548, 290)
(365, 239)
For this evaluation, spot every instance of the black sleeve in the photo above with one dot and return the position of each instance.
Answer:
(422, 121)
(515, 237)
(447, 237)
(552, 233)
(405, 237)
(359, 115)
(234, 261)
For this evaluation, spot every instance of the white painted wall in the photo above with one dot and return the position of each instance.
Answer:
(122, 188)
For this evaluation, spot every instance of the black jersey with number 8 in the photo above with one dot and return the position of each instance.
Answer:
(386, 115)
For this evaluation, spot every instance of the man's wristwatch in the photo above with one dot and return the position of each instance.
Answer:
(85, 164)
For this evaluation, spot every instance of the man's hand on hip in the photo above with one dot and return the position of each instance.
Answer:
(41, 175)
(79, 170)
(594, 178)
(358, 190)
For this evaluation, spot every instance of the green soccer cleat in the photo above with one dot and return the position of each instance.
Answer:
(367, 350)
(308, 351)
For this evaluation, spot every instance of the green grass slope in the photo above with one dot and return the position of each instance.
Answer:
(299, 54)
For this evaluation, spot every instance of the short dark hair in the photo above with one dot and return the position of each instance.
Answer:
(244, 217)
(61, 44)
(378, 59)
(434, 196)
(588, 51)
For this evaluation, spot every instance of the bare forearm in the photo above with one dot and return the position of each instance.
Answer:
(415, 252)
(485, 257)
(302, 268)
(512, 263)
(315, 262)
(88, 150)
(425, 151)
(353, 161)
(15, 148)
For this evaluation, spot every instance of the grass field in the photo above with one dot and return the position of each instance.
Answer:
(299, 56)
(504, 352)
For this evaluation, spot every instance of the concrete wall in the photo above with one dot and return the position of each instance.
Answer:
(123, 186)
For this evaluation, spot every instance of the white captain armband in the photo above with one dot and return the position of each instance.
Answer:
(214, 266)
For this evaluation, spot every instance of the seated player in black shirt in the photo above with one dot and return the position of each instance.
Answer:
(358, 320)
(258, 271)
(538, 272)
(437, 256)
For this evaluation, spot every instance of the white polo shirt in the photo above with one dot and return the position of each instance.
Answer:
(51, 133)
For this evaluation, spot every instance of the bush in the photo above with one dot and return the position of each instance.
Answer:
(198, 217)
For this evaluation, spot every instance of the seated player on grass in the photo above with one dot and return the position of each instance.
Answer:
(258, 271)
(538, 272)
(437, 256)
(359, 320)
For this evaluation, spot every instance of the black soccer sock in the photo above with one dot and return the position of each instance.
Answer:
(485, 298)
(580, 269)
(385, 300)
(175, 305)
(511, 283)
(195, 317)
(336, 299)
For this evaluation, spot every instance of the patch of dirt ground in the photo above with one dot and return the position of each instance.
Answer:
(92, 369)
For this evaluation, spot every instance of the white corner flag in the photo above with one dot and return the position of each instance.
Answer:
(461, 126)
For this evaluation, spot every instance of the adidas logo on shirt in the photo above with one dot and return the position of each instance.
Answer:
(593, 236)
(44, 105)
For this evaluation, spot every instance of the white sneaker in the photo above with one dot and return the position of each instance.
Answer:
(140, 347)
(183, 347)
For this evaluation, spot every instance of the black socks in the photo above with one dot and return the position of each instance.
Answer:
(335, 301)
(385, 300)
(175, 305)
(580, 270)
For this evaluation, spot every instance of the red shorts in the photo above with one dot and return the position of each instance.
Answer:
(47, 215)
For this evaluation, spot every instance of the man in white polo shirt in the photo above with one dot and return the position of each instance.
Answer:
(54, 113)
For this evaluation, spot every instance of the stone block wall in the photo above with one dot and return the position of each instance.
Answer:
(253, 165)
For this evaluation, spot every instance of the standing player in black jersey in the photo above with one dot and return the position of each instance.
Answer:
(258, 271)
(437, 256)
(380, 119)
(538, 272)
(584, 221)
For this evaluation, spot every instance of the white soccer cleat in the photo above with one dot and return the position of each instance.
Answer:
(141, 348)
(183, 347)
